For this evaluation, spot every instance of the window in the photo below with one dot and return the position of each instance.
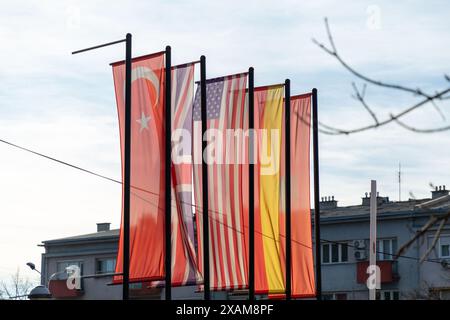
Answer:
(61, 272)
(340, 296)
(335, 296)
(325, 253)
(107, 265)
(386, 248)
(444, 247)
(334, 252)
(344, 252)
(387, 295)
(136, 285)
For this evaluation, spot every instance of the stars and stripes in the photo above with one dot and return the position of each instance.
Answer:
(228, 249)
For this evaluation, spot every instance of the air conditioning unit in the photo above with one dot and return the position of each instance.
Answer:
(360, 255)
(359, 244)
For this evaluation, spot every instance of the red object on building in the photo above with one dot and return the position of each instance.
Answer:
(58, 289)
(386, 269)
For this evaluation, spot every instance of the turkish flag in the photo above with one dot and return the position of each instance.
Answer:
(147, 166)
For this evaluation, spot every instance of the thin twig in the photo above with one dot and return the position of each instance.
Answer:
(436, 107)
(428, 98)
(386, 121)
(431, 222)
(413, 129)
(360, 97)
(436, 237)
(334, 52)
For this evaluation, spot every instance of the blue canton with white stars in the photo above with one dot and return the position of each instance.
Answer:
(214, 91)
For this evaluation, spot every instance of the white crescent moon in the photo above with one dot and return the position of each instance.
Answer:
(146, 73)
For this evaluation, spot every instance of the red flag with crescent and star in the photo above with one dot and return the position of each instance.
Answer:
(147, 166)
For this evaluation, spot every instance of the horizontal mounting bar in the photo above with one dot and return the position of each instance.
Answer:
(99, 46)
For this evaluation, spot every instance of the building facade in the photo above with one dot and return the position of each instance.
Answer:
(95, 256)
(345, 240)
(344, 255)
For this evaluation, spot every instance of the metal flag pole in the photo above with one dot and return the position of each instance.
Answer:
(287, 107)
(373, 241)
(167, 165)
(127, 160)
(316, 195)
(127, 173)
(206, 278)
(251, 186)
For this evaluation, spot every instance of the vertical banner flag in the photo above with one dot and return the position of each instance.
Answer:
(302, 275)
(224, 156)
(147, 166)
(269, 263)
(184, 262)
(303, 281)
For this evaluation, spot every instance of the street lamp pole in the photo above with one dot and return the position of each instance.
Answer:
(33, 267)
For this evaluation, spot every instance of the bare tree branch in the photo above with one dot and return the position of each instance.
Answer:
(360, 97)
(302, 119)
(431, 222)
(436, 107)
(427, 98)
(386, 121)
(333, 52)
(17, 288)
(431, 130)
(436, 238)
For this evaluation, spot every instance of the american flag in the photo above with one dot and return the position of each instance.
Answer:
(227, 251)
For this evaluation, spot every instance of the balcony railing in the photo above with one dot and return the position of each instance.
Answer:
(59, 290)
(388, 270)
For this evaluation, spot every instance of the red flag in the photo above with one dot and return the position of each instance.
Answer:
(303, 281)
(302, 275)
(147, 166)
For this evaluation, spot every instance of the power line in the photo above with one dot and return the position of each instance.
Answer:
(59, 161)
(197, 208)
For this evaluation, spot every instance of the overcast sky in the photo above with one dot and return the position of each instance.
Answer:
(64, 105)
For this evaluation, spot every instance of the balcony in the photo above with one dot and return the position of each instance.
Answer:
(59, 290)
(388, 270)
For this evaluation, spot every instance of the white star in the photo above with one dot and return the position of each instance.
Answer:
(143, 121)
